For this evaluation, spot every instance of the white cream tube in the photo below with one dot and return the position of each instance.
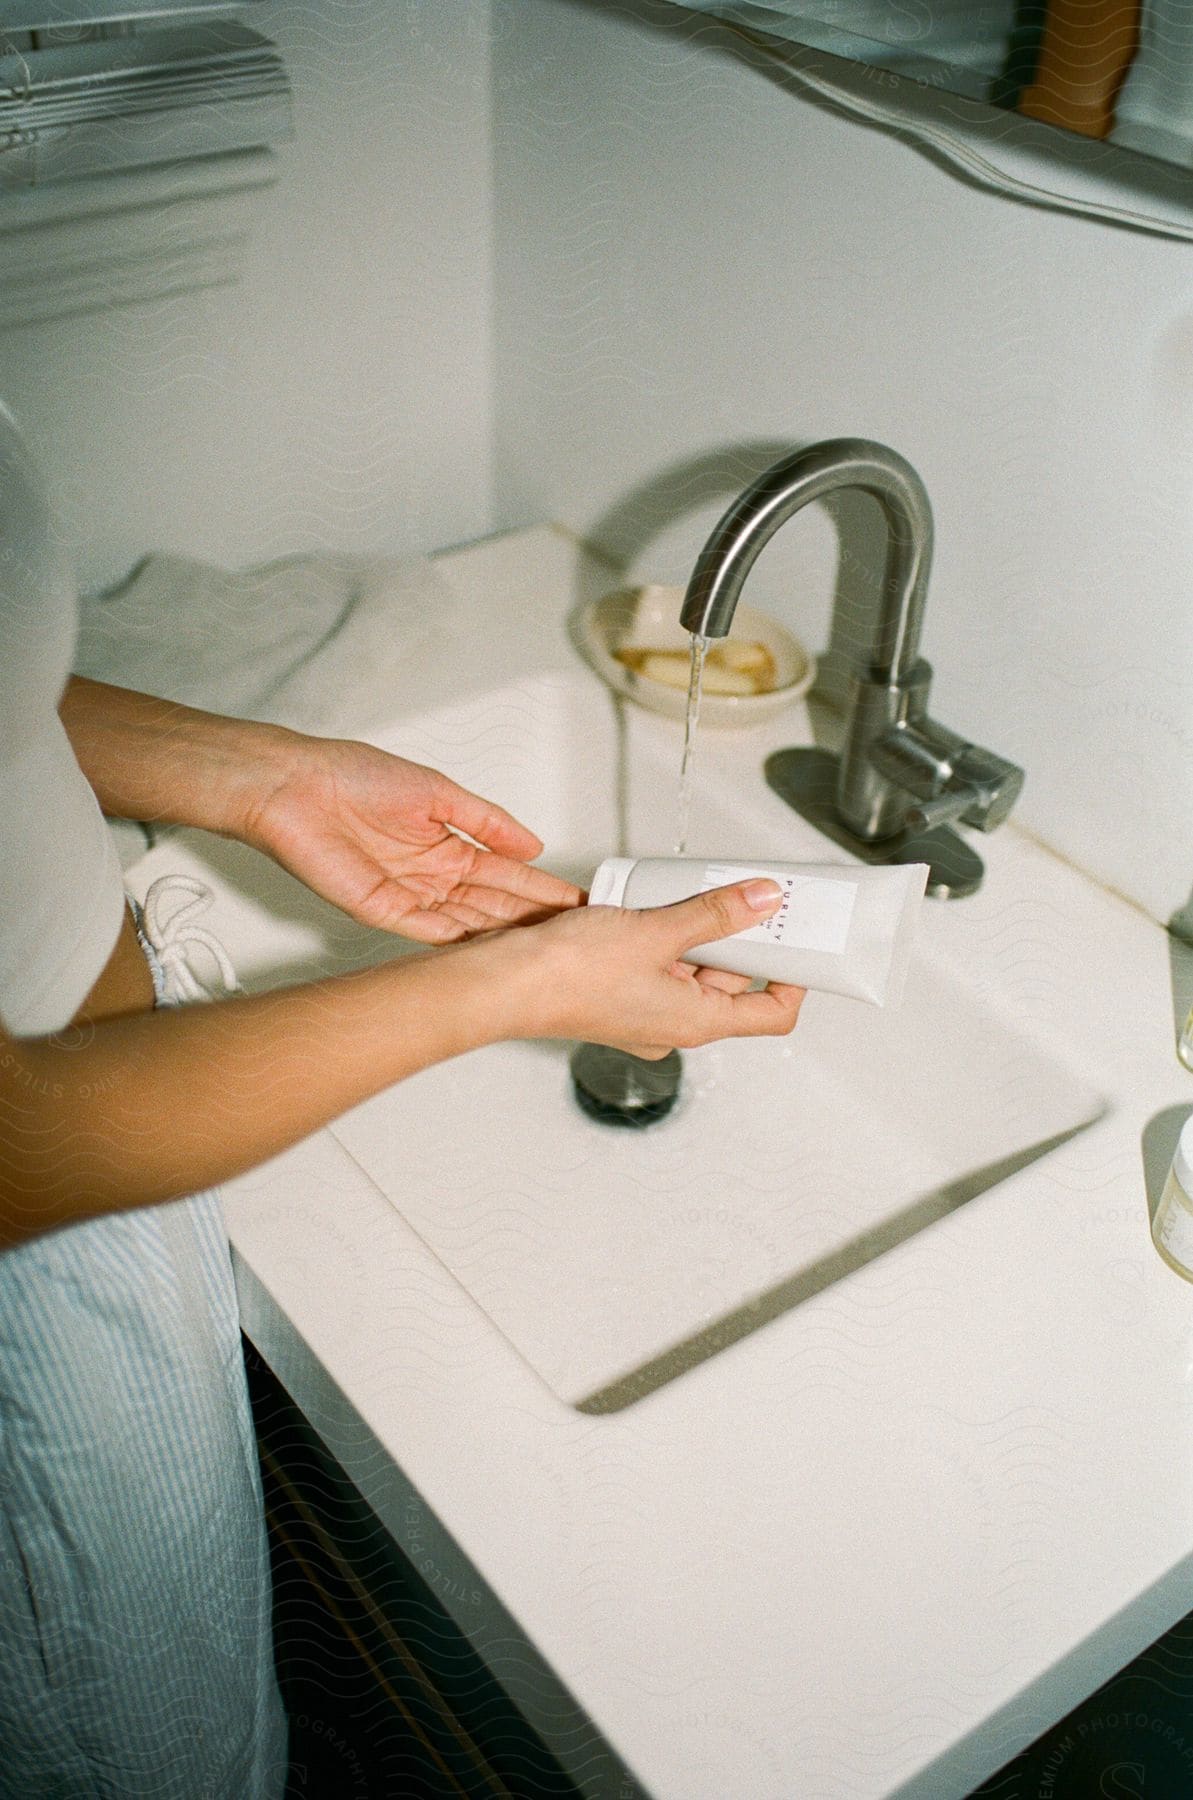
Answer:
(844, 928)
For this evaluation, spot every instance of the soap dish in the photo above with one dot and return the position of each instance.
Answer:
(646, 619)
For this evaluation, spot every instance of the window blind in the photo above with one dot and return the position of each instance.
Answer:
(92, 87)
(134, 150)
(44, 15)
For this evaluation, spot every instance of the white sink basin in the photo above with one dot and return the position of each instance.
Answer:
(613, 1260)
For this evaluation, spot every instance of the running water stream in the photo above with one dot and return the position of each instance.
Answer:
(691, 720)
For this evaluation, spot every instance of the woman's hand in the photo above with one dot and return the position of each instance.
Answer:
(372, 833)
(378, 836)
(159, 1104)
(613, 976)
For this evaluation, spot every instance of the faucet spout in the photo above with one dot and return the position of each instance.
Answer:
(779, 493)
(901, 778)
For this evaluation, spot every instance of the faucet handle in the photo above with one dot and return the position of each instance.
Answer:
(926, 815)
(947, 777)
(994, 783)
(917, 757)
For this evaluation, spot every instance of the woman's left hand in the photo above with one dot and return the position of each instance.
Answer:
(378, 836)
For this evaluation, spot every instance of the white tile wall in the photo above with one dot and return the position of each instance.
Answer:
(697, 269)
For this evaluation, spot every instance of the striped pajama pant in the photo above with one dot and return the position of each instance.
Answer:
(135, 1644)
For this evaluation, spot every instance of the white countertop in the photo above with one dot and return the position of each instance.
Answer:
(873, 1548)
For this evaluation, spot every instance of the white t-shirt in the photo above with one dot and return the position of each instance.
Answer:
(61, 892)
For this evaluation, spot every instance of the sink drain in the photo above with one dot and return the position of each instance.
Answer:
(616, 1088)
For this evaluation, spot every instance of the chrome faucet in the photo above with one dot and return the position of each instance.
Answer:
(901, 778)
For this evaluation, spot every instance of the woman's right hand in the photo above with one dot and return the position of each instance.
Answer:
(609, 975)
(155, 1105)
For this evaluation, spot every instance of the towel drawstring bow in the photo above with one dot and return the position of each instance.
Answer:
(171, 933)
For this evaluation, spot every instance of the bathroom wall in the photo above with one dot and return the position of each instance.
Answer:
(697, 268)
(339, 395)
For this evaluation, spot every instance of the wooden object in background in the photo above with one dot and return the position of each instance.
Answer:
(1086, 51)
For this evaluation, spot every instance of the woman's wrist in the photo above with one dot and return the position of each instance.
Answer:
(486, 987)
(219, 772)
(245, 762)
(157, 760)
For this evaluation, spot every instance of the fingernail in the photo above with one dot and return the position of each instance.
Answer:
(763, 896)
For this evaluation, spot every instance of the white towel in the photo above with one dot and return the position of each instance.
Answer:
(309, 642)
(313, 642)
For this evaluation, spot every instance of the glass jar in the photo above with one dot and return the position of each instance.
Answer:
(1184, 1046)
(1172, 1227)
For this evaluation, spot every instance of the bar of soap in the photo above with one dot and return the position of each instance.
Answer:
(731, 666)
(746, 658)
(716, 678)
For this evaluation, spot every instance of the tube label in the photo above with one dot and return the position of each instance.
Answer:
(814, 914)
(1175, 1225)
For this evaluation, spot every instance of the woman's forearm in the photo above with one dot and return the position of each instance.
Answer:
(147, 1108)
(157, 760)
(131, 1110)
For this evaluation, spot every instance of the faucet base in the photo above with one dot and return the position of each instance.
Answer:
(807, 781)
